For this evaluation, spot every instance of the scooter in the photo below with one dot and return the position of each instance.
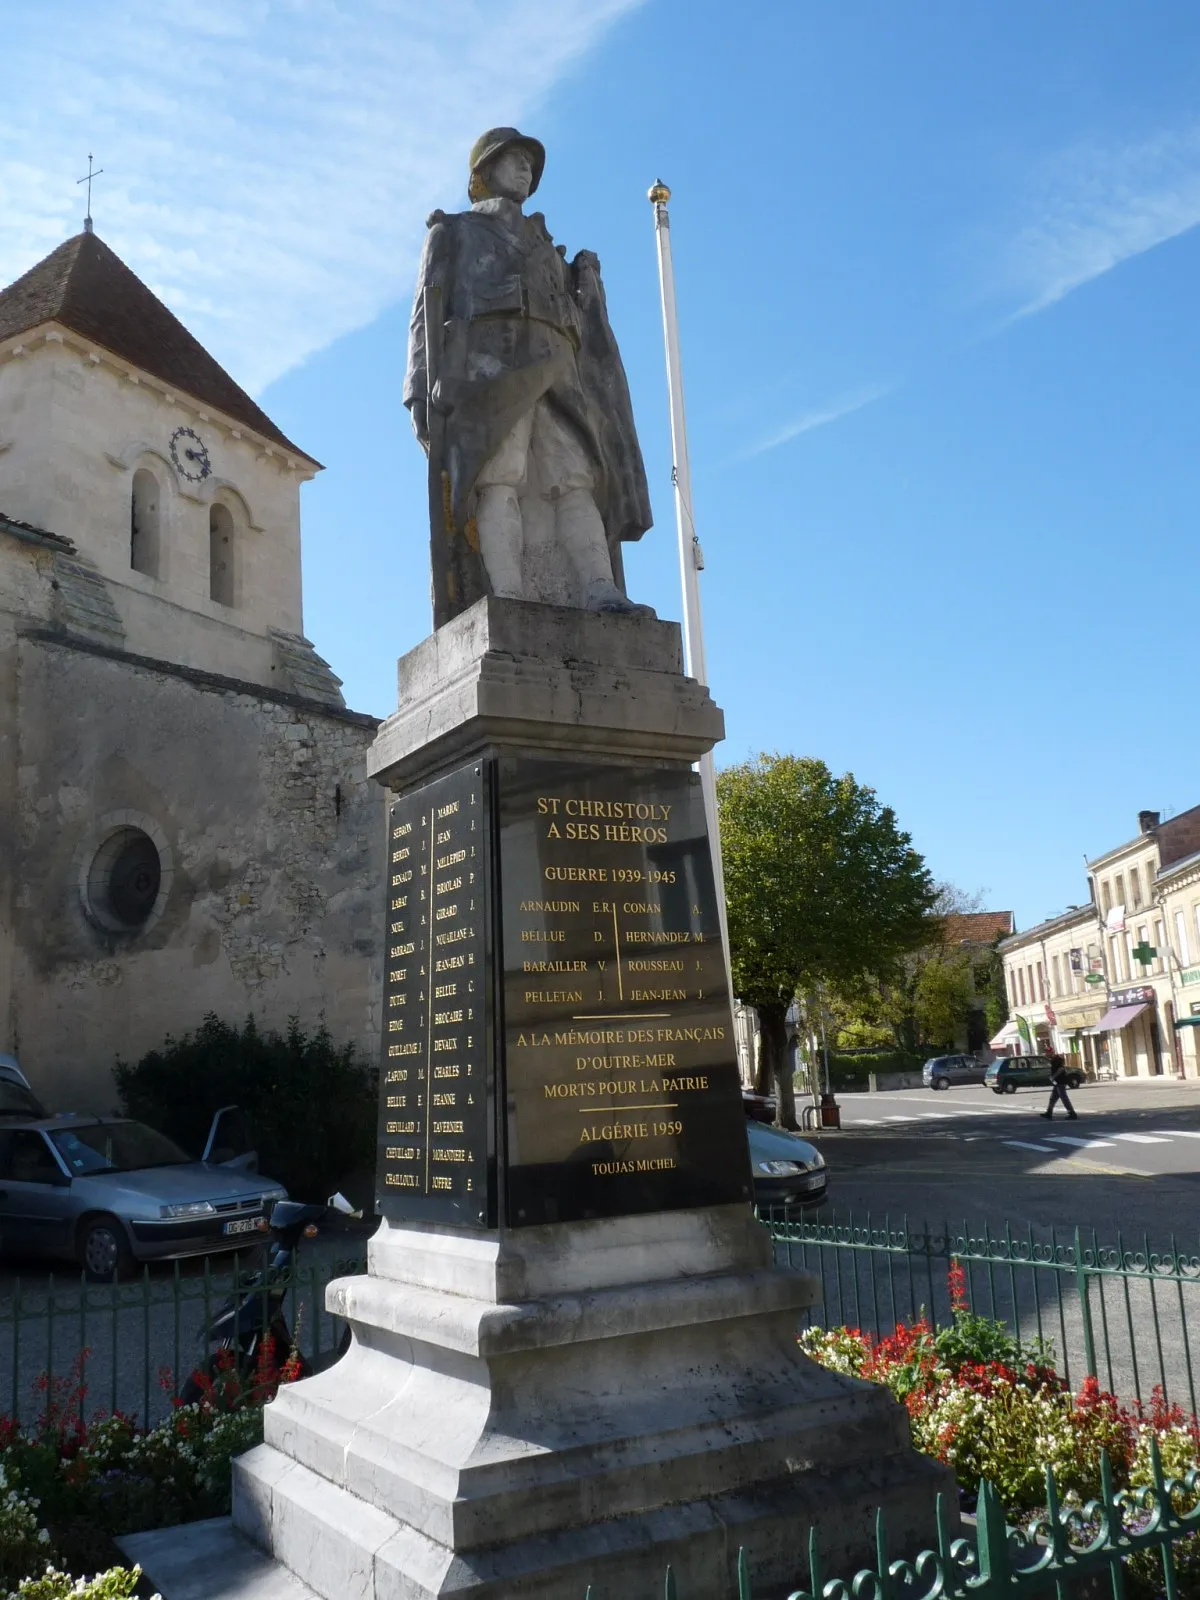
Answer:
(239, 1329)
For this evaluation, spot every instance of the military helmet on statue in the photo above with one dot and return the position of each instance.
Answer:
(493, 143)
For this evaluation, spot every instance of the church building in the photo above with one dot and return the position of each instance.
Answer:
(186, 825)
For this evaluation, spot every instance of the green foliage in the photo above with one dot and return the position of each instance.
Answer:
(822, 887)
(971, 1340)
(942, 995)
(991, 1407)
(821, 883)
(310, 1103)
(118, 1583)
(68, 1486)
(989, 981)
(851, 1071)
(24, 1543)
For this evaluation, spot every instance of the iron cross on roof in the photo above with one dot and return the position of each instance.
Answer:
(87, 221)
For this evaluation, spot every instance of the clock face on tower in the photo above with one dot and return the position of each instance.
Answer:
(190, 455)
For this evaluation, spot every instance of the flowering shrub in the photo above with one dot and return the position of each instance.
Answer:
(991, 1408)
(119, 1583)
(116, 1477)
(24, 1544)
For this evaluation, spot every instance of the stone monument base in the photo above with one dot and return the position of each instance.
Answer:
(530, 1412)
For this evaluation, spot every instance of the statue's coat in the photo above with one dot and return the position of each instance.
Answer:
(521, 324)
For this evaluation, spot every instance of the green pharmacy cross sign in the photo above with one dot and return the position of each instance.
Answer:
(1145, 953)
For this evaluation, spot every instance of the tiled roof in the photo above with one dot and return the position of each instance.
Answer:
(85, 286)
(27, 531)
(977, 927)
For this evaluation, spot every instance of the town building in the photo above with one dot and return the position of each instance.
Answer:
(186, 825)
(1116, 982)
(975, 934)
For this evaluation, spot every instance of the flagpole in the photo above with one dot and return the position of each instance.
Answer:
(691, 558)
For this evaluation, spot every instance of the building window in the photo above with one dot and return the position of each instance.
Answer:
(124, 879)
(144, 523)
(221, 555)
(1021, 982)
(1135, 886)
(1143, 938)
(1119, 890)
(1160, 943)
(1185, 959)
(1115, 960)
(1041, 972)
(1056, 975)
(1106, 896)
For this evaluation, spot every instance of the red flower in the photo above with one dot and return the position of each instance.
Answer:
(957, 1279)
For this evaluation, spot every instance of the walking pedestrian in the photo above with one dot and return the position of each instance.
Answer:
(1058, 1089)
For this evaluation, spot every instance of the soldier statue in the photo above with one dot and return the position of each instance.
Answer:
(519, 398)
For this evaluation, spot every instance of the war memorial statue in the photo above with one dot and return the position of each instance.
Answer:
(573, 1360)
(517, 394)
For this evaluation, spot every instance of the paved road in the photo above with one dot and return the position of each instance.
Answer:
(993, 1156)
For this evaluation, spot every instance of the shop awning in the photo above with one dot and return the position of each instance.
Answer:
(1119, 1017)
(1187, 1022)
(1009, 1034)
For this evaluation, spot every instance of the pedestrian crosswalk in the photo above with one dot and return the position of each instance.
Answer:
(1107, 1143)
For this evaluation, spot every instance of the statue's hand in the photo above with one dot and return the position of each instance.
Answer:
(420, 423)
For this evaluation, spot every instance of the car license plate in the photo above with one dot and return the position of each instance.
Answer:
(242, 1225)
(812, 1180)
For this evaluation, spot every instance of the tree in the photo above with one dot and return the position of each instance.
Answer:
(311, 1103)
(822, 887)
(927, 997)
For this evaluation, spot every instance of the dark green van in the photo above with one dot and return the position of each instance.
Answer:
(1011, 1073)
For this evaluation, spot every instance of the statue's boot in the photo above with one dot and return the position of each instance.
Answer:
(501, 539)
(581, 536)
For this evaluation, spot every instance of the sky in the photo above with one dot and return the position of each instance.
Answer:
(936, 270)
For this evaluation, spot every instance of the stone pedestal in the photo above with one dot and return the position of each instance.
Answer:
(529, 1412)
(529, 1409)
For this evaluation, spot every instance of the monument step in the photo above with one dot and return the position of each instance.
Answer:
(411, 1458)
(211, 1561)
(353, 1552)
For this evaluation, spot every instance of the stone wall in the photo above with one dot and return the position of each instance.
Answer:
(270, 838)
(75, 426)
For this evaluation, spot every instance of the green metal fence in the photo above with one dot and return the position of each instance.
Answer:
(132, 1345)
(1059, 1549)
(1118, 1311)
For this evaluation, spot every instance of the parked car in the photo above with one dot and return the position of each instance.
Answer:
(107, 1192)
(941, 1071)
(761, 1107)
(786, 1169)
(1011, 1073)
(17, 1099)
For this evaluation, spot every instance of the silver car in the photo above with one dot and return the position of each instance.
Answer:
(942, 1071)
(107, 1192)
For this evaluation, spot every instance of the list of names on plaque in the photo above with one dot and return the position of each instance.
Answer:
(621, 1075)
(436, 1143)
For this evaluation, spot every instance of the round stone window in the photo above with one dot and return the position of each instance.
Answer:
(124, 880)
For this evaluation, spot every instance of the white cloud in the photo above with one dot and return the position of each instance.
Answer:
(1096, 207)
(855, 400)
(268, 164)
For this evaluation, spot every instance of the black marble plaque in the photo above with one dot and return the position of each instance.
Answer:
(620, 1073)
(436, 1142)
